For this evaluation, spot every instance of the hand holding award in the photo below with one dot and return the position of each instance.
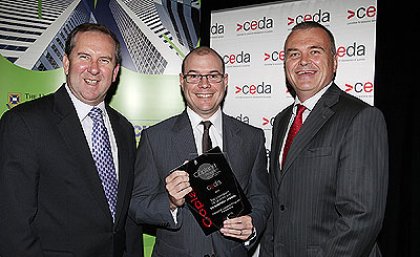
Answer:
(216, 194)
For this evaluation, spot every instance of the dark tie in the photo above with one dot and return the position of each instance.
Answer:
(101, 151)
(297, 123)
(206, 143)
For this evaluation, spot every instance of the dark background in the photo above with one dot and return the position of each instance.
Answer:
(395, 95)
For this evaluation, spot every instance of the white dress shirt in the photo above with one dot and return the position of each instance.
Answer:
(309, 104)
(83, 110)
(215, 132)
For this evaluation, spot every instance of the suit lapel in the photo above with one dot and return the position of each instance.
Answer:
(123, 161)
(232, 142)
(321, 113)
(183, 140)
(72, 132)
(279, 132)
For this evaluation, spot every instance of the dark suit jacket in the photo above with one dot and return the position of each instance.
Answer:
(51, 198)
(167, 145)
(329, 198)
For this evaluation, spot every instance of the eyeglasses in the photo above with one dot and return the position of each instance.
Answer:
(211, 78)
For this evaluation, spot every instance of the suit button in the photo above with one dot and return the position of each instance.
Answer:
(282, 208)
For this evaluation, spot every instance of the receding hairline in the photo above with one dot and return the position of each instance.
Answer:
(203, 50)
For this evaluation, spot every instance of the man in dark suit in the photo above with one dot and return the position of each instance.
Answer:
(53, 202)
(329, 190)
(159, 197)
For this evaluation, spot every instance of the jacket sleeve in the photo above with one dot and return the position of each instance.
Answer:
(19, 179)
(362, 184)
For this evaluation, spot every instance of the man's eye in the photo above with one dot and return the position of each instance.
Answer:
(316, 51)
(105, 61)
(194, 76)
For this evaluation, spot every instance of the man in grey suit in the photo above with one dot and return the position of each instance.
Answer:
(329, 191)
(53, 198)
(159, 196)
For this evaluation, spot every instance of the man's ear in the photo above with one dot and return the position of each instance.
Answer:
(66, 64)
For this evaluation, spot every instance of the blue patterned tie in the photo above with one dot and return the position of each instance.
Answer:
(101, 151)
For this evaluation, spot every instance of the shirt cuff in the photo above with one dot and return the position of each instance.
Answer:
(174, 213)
(251, 237)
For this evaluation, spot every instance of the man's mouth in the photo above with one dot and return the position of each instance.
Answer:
(91, 82)
(206, 95)
(304, 72)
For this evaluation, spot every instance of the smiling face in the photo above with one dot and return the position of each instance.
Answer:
(203, 98)
(310, 64)
(91, 66)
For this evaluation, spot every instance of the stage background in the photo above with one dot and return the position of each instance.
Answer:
(396, 95)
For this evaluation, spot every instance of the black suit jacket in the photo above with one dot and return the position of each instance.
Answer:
(329, 197)
(51, 199)
(167, 145)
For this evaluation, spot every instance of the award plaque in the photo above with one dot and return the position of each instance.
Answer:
(216, 194)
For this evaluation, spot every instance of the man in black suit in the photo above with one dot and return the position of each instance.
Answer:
(53, 200)
(329, 190)
(159, 197)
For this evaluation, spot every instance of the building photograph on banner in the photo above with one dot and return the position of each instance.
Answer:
(251, 39)
(153, 45)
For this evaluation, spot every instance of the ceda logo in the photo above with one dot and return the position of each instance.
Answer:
(361, 13)
(274, 56)
(251, 90)
(353, 52)
(320, 16)
(267, 121)
(359, 87)
(217, 29)
(239, 58)
(264, 23)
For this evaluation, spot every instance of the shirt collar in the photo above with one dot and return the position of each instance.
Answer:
(83, 109)
(310, 103)
(195, 119)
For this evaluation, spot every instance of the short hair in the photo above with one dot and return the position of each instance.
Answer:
(86, 27)
(314, 24)
(203, 50)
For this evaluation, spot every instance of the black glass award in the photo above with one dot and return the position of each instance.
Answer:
(216, 194)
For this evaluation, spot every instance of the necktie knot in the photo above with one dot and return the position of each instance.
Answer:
(96, 114)
(300, 109)
(206, 142)
(206, 124)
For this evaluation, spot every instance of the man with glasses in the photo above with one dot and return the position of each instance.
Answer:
(159, 196)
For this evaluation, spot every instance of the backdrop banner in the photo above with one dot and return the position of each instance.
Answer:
(250, 40)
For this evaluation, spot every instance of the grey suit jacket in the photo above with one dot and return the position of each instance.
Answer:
(52, 201)
(329, 199)
(167, 145)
